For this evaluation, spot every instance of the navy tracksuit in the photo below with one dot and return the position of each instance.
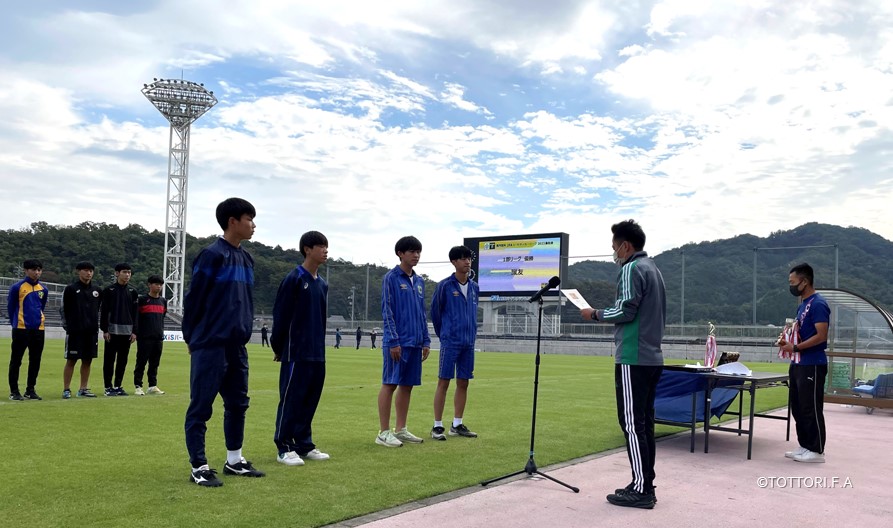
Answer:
(299, 339)
(218, 312)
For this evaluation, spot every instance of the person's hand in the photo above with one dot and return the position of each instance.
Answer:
(425, 352)
(396, 352)
(586, 313)
(132, 338)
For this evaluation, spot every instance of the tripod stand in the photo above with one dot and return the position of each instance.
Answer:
(530, 468)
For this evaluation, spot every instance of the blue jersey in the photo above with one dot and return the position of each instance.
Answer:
(403, 310)
(218, 310)
(814, 309)
(299, 317)
(27, 301)
(454, 314)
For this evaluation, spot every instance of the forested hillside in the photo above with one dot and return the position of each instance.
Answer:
(719, 275)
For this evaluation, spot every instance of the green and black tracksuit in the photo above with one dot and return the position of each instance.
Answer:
(639, 315)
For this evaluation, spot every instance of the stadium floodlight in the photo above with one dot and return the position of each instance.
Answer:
(181, 103)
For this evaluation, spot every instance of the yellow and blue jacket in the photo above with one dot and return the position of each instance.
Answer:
(27, 301)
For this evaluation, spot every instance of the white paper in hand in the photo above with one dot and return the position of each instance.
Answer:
(575, 297)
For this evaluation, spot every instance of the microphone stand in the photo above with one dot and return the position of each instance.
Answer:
(530, 468)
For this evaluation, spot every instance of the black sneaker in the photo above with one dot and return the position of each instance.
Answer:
(16, 396)
(205, 476)
(629, 487)
(461, 430)
(437, 433)
(85, 393)
(632, 499)
(119, 391)
(31, 395)
(110, 391)
(242, 469)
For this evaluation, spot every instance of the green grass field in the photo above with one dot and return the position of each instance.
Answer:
(123, 462)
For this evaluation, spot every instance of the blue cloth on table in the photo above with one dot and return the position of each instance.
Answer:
(674, 393)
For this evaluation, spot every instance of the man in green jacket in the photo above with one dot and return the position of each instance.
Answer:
(639, 315)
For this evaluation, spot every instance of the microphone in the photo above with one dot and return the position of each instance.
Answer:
(553, 282)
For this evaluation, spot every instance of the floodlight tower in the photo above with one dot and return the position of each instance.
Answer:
(181, 103)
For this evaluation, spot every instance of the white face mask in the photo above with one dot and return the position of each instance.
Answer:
(616, 258)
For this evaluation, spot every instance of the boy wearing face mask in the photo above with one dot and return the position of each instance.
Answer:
(639, 315)
(809, 366)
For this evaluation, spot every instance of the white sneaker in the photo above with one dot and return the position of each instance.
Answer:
(387, 439)
(154, 390)
(316, 454)
(794, 453)
(810, 456)
(405, 436)
(290, 459)
(138, 391)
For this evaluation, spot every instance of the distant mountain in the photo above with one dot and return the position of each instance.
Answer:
(719, 275)
(61, 247)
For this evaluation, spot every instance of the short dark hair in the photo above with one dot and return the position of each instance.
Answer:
(84, 264)
(233, 208)
(311, 239)
(32, 264)
(407, 243)
(804, 270)
(629, 231)
(121, 266)
(154, 279)
(460, 252)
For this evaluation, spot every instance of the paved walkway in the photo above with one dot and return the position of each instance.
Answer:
(853, 488)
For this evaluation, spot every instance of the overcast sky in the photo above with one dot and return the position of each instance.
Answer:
(444, 119)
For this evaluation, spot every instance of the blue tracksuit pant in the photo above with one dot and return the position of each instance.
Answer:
(300, 388)
(224, 371)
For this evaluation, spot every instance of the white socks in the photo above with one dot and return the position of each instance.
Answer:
(457, 422)
(234, 457)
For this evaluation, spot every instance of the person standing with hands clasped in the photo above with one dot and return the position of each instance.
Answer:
(454, 310)
(150, 337)
(299, 342)
(404, 344)
(80, 318)
(805, 347)
(119, 322)
(218, 315)
(27, 302)
(639, 315)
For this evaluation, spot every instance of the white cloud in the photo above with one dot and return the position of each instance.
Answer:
(454, 94)
(364, 120)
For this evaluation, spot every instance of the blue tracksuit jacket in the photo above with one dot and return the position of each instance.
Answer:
(299, 317)
(403, 310)
(455, 316)
(218, 310)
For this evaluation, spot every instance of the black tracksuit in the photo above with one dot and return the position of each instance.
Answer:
(118, 318)
(149, 338)
(80, 318)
